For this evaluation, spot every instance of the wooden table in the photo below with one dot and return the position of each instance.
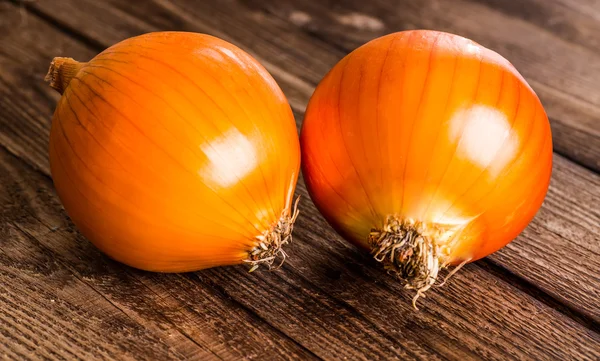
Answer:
(537, 298)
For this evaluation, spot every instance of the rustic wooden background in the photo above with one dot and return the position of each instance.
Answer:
(538, 298)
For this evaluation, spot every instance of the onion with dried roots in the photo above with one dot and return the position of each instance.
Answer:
(175, 151)
(427, 150)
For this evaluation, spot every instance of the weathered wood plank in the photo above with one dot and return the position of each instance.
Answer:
(561, 70)
(366, 314)
(575, 21)
(575, 287)
(49, 312)
(105, 309)
(49, 257)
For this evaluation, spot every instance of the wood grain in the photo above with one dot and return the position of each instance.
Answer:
(115, 309)
(328, 299)
(575, 21)
(560, 69)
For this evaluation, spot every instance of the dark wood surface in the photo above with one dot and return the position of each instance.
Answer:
(538, 298)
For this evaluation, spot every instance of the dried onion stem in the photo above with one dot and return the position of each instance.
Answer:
(61, 71)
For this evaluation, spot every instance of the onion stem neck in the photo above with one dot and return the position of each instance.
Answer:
(406, 250)
(61, 71)
(270, 244)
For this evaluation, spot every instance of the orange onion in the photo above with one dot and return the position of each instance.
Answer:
(174, 152)
(427, 150)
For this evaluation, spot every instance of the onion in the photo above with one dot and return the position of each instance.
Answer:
(175, 152)
(426, 150)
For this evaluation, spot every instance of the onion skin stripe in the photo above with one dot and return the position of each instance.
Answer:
(445, 113)
(369, 203)
(335, 165)
(417, 118)
(377, 111)
(538, 170)
(278, 181)
(461, 138)
(182, 118)
(141, 55)
(512, 126)
(339, 172)
(67, 97)
(394, 193)
(509, 168)
(158, 147)
(74, 93)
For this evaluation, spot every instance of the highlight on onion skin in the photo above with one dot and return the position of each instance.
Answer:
(426, 150)
(175, 152)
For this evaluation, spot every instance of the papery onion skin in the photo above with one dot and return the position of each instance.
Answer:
(430, 128)
(174, 152)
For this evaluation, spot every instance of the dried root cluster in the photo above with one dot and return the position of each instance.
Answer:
(408, 250)
(271, 242)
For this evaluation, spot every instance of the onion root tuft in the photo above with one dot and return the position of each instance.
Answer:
(271, 242)
(408, 251)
